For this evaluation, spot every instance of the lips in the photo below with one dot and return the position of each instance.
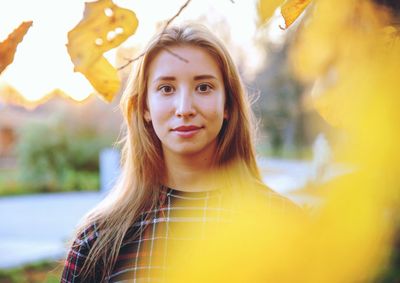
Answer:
(186, 131)
(186, 128)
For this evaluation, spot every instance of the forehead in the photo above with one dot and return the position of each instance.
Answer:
(186, 60)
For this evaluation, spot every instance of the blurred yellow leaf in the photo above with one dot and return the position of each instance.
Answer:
(292, 9)
(266, 8)
(103, 27)
(9, 46)
(102, 75)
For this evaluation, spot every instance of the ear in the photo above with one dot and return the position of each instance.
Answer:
(226, 114)
(147, 116)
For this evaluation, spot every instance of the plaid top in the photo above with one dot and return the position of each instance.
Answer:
(144, 257)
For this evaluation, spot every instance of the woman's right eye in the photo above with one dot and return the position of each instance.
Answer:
(166, 89)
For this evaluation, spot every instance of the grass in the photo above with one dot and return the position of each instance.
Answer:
(11, 183)
(43, 272)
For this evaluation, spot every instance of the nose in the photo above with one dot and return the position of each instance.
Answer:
(185, 106)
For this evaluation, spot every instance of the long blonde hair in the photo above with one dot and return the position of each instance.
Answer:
(143, 168)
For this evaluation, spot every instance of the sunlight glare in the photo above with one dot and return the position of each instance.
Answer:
(42, 64)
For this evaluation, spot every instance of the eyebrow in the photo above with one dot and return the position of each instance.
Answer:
(203, 77)
(196, 78)
(164, 78)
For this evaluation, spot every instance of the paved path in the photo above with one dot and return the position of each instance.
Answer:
(36, 227)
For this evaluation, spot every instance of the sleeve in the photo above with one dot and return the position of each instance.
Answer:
(77, 256)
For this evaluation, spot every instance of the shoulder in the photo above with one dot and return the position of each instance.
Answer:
(78, 253)
(265, 195)
(87, 236)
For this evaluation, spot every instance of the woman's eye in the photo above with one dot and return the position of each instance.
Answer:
(204, 87)
(166, 89)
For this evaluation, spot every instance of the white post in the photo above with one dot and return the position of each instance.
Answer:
(109, 168)
(321, 160)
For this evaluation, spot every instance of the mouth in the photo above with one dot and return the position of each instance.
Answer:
(186, 132)
(188, 128)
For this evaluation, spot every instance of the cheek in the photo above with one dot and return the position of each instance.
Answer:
(155, 108)
(160, 112)
(216, 117)
(217, 114)
(159, 117)
(218, 109)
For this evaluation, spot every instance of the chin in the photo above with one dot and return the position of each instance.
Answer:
(192, 149)
(186, 151)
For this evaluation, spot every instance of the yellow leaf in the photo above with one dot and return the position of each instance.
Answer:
(292, 9)
(102, 75)
(266, 8)
(9, 46)
(103, 27)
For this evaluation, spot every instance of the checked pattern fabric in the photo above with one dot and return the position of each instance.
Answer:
(145, 252)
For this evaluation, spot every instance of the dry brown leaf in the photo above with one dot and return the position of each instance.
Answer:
(292, 9)
(9, 46)
(103, 27)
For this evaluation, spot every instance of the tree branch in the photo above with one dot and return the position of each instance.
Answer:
(130, 61)
(176, 15)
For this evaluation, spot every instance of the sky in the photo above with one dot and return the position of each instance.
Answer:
(42, 64)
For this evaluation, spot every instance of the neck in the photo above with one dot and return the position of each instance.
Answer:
(189, 173)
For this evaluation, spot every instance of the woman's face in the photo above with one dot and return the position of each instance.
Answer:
(186, 100)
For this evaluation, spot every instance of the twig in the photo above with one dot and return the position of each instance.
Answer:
(176, 55)
(130, 61)
(176, 15)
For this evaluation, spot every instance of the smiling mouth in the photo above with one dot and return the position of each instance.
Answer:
(186, 132)
(186, 128)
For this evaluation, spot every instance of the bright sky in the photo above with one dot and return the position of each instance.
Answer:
(42, 64)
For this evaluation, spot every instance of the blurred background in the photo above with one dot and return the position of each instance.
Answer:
(51, 141)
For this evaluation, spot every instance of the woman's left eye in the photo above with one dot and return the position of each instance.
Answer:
(204, 88)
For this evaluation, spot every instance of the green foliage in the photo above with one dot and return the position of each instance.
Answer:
(9, 182)
(42, 271)
(56, 157)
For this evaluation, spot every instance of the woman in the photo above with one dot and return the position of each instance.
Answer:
(188, 119)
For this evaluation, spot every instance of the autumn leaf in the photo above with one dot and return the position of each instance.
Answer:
(292, 9)
(266, 8)
(9, 46)
(103, 27)
(102, 75)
